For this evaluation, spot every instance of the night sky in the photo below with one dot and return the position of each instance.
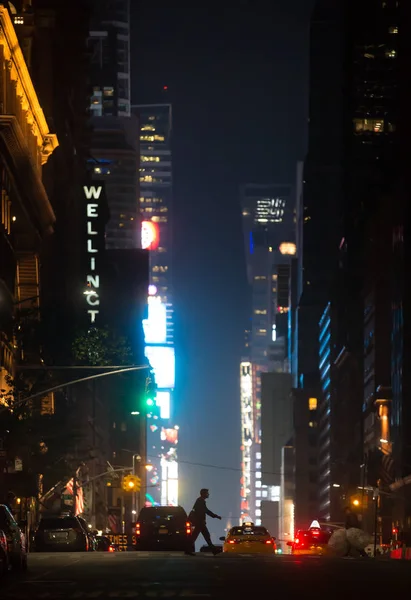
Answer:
(237, 79)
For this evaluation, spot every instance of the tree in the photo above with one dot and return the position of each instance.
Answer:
(103, 347)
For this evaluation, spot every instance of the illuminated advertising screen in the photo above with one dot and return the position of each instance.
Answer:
(162, 361)
(155, 327)
(163, 401)
(150, 235)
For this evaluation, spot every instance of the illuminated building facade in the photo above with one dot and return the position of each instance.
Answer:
(156, 236)
(27, 220)
(269, 231)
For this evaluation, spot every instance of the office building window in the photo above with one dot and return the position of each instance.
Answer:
(312, 403)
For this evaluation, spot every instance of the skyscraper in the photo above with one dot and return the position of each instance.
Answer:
(114, 145)
(109, 44)
(156, 236)
(269, 232)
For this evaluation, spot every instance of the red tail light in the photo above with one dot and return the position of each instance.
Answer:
(188, 528)
(234, 541)
(138, 531)
(111, 549)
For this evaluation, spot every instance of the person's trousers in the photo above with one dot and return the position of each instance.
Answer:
(201, 528)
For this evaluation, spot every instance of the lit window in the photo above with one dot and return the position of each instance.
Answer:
(260, 278)
(393, 29)
(258, 475)
(391, 54)
(258, 455)
(260, 312)
(265, 494)
(312, 403)
(258, 484)
(150, 158)
(151, 118)
(282, 309)
(312, 424)
(258, 494)
(108, 91)
(274, 277)
(148, 128)
(369, 125)
(258, 465)
(152, 138)
(258, 512)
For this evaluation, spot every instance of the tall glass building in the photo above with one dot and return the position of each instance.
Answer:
(268, 213)
(156, 189)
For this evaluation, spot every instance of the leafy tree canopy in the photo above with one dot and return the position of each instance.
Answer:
(103, 347)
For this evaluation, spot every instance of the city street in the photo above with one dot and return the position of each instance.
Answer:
(168, 575)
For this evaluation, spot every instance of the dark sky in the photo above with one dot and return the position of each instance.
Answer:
(237, 79)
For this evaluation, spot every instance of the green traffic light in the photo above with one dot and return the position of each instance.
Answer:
(150, 402)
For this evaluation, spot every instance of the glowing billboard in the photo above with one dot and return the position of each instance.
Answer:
(247, 425)
(155, 327)
(162, 360)
(163, 402)
(150, 235)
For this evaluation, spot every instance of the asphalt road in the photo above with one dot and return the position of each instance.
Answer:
(168, 575)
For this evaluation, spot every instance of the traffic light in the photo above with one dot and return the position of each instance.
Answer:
(131, 483)
(150, 392)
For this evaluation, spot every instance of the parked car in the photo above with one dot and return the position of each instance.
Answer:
(61, 533)
(92, 544)
(4, 554)
(162, 528)
(207, 550)
(104, 544)
(15, 539)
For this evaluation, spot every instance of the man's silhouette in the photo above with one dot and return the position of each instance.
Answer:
(197, 518)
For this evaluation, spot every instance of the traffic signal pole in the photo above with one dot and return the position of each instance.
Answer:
(61, 386)
(143, 461)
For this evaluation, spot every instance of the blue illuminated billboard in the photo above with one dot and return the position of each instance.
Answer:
(162, 361)
(155, 327)
(163, 402)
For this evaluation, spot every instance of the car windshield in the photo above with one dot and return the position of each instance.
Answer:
(59, 523)
(248, 531)
(153, 514)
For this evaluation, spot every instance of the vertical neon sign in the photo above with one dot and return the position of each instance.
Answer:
(93, 278)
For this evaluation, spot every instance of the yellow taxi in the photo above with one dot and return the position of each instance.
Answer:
(249, 539)
(313, 541)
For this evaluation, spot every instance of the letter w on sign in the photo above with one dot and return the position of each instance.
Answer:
(92, 192)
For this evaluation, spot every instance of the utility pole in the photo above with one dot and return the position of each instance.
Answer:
(377, 501)
(143, 461)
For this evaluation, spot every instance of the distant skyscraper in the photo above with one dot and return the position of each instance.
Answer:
(269, 230)
(109, 45)
(115, 148)
(115, 161)
(156, 236)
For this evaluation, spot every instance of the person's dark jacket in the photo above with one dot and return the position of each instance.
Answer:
(199, 512)
(351, 520)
